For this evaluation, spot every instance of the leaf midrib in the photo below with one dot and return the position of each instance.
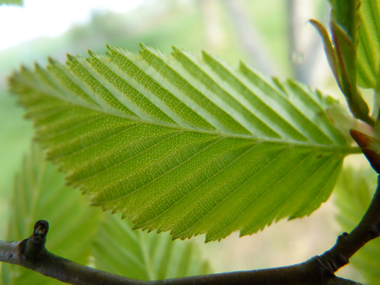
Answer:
(309, 144)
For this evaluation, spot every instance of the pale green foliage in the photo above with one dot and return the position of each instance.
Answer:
(39, 193)
(119, 249)
(354, 192)
(183, 143)
(11, 2)
(85, 235)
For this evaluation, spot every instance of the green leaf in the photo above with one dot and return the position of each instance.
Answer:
(118, 249)
(329, 50)
(345, 25)
(39, 193)
(345, 14)
(341, 53)
(183, 143)
(11, 2)
(81, 234)
(346, 51)
(354, 192)
(368, 58)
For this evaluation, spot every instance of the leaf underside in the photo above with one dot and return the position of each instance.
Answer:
(182, 143)
(81, 233)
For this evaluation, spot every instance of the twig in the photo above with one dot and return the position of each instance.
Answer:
(31, 253)
(367, 230)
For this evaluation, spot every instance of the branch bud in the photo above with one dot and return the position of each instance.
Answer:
(370, 147)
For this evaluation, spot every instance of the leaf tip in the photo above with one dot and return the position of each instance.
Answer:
(124, 216)
(51, 60)
(314, 23)
(70, 57)
(37, 66)
(176, 50)
(91, 53)
(136, 227)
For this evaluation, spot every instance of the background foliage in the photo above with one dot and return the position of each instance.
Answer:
(11, 2)
(354, 192)
(86, 235)
(158, 27)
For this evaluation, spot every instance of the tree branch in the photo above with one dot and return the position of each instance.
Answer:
(367, 230)
(32, 254)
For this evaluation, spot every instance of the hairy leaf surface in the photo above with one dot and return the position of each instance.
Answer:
(354, 194)
(40, 194)
(118, 249)
(182, 143)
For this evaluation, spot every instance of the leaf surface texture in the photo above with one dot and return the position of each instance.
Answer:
(182, 143)
(87, 236)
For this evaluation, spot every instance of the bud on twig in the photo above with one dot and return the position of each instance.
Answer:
(370, 147)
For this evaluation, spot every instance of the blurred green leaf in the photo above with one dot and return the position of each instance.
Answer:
(368, 60)
(183, 143)
(15, 136)
(354, 192)
(341, 53)
(40, 194)
(83, 235)
(11, 2)
(119, 249)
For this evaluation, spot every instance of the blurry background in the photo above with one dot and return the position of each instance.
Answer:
(273, 36)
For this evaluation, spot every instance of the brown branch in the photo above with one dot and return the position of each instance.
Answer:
(31, 253)
(367, 230)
